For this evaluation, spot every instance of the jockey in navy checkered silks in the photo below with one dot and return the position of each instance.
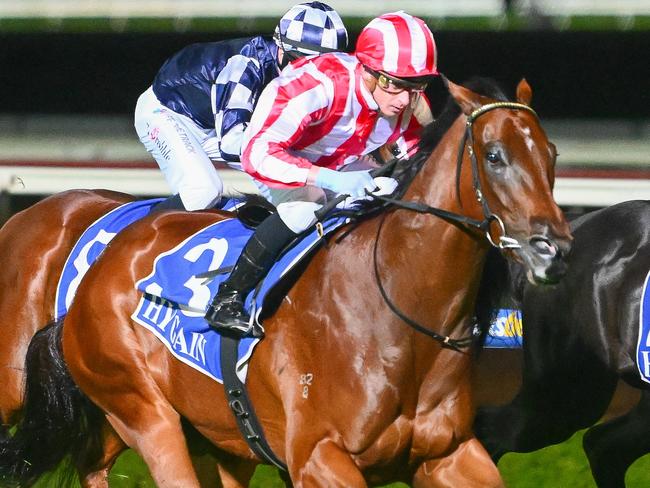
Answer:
(202, 98)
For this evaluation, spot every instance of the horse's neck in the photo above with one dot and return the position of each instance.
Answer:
(435, 183)
(443, 259)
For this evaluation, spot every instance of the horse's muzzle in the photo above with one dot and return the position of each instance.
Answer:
(545, 258)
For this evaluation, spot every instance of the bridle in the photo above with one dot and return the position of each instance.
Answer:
(504, 241)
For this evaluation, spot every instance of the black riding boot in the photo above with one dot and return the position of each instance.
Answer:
(226, 313)
(170, 203)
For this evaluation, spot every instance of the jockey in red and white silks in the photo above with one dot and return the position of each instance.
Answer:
(310, 133)
(319, 113)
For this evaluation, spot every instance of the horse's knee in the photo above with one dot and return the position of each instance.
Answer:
(589, 442)
(328, 465)
(468, 466)
(492, 432)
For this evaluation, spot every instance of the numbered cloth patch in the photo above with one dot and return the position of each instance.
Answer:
(175, 299)
(506, 331)
(643, 344)
(91, 244)
(175, 296)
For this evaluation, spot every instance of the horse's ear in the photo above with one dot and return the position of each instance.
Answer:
(524, 92)
(467, 100)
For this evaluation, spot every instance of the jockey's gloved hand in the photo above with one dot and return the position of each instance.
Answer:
(353, 183)
(384, 185)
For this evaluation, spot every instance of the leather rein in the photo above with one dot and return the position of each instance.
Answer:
(504, 241)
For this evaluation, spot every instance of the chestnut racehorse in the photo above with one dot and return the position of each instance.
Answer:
(386, 402)
(34, 245)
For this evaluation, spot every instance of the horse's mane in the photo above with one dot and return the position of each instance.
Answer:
(432, 134)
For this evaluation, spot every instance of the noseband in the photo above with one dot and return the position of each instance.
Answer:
(504, 242)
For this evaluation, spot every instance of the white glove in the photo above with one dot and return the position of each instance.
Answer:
(385, 186)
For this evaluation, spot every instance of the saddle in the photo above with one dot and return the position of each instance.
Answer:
(254, 210)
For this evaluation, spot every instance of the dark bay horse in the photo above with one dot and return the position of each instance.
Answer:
(385, 402)
(580, 340)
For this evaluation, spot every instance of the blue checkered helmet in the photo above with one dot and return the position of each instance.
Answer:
(311, 28)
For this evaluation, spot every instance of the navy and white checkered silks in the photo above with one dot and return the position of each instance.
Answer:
(234, 94)
(315, 24)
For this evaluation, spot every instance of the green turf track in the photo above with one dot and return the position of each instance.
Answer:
(563, 465)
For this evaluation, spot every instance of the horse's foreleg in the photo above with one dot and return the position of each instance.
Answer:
(154, 430)
(613, 446)
(328, 466)
(468, 466)
(539, 417)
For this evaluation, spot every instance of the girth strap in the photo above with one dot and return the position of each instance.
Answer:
(241, 406)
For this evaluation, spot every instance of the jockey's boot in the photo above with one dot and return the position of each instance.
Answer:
(170, 203)
(226, 313)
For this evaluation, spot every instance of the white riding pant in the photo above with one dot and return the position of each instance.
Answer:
(183, 150)
(296, 206)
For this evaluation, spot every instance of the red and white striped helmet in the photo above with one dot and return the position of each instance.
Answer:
(398, 44)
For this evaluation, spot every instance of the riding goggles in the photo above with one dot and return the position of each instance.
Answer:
(395, 86)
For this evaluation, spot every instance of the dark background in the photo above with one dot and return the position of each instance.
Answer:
(573, 74)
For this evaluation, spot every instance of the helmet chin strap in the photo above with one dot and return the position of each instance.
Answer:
(288, 56)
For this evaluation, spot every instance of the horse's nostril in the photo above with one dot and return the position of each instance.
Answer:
(543, 246)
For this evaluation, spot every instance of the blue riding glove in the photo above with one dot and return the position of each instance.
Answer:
(353, 183)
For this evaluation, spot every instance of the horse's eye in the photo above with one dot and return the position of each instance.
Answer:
(493, 158)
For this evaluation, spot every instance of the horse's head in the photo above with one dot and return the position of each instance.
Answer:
(513, 166)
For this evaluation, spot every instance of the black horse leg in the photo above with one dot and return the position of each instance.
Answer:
(613, 446)
(542, 414)
(512, 428)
